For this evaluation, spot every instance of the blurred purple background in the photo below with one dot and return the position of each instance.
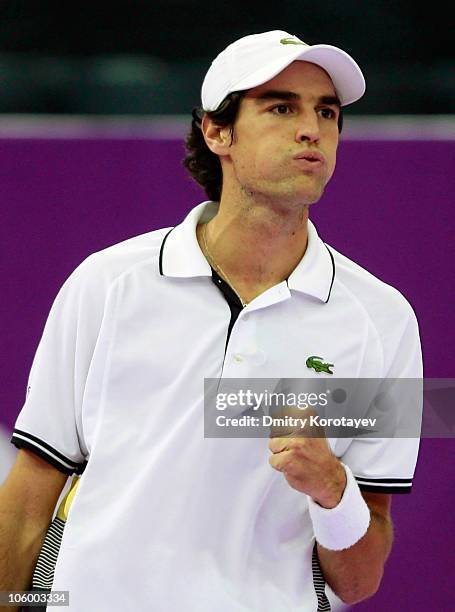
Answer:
(389, 207)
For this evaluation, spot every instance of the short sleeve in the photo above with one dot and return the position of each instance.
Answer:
(387, 465)
(50, 421)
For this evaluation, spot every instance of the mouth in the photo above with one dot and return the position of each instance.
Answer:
(310, 162)
(312, 157)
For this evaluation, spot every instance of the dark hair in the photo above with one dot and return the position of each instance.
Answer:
(203, 165)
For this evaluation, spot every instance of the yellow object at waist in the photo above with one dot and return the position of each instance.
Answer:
(63, 509)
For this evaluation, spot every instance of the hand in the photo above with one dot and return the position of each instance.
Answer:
(307, 462)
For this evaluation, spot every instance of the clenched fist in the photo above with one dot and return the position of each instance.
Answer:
(304, 457)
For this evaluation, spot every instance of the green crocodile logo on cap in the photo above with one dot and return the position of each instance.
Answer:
(317, 365)
(292, 41)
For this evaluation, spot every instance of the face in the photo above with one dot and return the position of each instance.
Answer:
(291, 115)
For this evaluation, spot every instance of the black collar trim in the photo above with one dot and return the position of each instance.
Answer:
(333, 272)
(161, 252)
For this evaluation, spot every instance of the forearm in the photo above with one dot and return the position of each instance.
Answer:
(20, 544)
(355, 573)
(339, 515)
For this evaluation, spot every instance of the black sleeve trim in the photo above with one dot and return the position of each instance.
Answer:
(379, 489)
(384, 485)
(22, 439)
(384, 480)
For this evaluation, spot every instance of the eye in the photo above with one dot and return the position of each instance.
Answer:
(327, 113)
(281, 109)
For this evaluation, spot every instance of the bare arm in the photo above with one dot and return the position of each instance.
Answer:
(27, 502)
(309, 466)
(356, 572)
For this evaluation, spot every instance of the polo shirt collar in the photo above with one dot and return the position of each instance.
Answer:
(181, 256)
(315, 272)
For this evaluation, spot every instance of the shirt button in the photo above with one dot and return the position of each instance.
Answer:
(245, 317)
(238, 358)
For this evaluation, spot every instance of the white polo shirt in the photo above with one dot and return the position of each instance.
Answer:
(164, 519)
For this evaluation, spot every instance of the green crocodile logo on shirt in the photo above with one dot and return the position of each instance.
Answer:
(317, 364)
(292, 41)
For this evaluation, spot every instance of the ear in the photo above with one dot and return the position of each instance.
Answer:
(217, 138)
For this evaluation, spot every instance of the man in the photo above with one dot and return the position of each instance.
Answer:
(163, 518)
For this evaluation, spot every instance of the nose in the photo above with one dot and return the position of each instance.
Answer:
(308, 128)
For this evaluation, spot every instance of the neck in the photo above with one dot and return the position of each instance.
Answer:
(257, 245)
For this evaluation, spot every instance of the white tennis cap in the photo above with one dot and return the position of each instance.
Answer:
(253, 60)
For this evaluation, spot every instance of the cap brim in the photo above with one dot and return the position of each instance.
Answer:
(345, 73)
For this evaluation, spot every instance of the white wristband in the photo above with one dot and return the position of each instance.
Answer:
(341, 527)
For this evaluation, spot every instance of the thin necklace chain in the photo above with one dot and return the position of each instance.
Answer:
(218, 267)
